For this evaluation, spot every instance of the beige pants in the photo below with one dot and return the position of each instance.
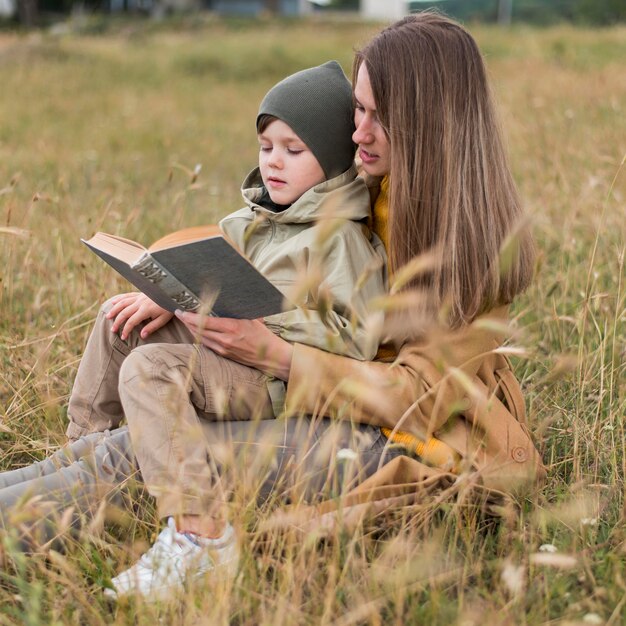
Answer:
(175, 396)
(166, 387)
(190, 378)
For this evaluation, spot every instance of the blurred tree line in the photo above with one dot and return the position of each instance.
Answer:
(590, 12)
(540, 12)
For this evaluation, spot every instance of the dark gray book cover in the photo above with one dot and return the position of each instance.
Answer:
(207, 270)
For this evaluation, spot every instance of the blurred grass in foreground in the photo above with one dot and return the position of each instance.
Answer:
(104, 132)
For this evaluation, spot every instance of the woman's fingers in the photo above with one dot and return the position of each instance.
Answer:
(224, 325)
(249, 342)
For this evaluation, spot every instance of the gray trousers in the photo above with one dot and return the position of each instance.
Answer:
(254, 462)
(40, 502)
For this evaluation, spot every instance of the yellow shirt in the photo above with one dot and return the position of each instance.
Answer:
(380, 213)
(379, 223)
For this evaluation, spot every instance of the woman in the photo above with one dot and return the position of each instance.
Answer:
(431, 151)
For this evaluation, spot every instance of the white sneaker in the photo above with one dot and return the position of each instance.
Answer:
(176, 558)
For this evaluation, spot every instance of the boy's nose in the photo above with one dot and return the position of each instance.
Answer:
(275, 160)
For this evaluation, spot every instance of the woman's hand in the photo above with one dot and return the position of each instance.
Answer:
(249, 342)
(131, 309)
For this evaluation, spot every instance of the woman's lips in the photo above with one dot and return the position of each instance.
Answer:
(367, 157)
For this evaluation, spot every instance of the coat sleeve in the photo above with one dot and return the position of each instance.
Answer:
(428, 382)
(338, 317)
(365, 392)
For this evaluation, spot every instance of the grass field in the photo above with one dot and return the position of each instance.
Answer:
(102, 129)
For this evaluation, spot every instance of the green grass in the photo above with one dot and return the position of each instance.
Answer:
(101, 129)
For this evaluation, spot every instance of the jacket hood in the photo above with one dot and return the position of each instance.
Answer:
(344, 196)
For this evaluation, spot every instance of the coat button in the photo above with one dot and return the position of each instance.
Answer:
(519, 454)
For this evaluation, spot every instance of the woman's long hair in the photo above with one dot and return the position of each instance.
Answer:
(450, 187)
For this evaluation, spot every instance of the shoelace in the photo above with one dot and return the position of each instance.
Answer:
(166, 546)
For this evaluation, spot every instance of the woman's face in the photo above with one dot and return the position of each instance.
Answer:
(369, 134)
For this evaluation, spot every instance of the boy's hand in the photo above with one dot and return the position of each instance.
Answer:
(249, 342)
(131, 309)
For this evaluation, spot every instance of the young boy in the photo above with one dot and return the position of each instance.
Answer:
(304, 228)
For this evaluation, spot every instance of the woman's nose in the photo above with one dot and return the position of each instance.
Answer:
(363, 133)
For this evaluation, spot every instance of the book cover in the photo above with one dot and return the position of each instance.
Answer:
(185, 274)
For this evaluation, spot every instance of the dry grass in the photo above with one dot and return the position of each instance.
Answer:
(101, 131)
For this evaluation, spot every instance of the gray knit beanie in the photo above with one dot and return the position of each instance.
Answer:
(317, 105)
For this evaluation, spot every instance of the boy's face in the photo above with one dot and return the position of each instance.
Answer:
(288, 167)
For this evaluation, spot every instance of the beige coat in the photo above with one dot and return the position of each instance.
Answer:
(457, 386)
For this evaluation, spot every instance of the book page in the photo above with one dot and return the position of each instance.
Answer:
(186, 235)
(123, 249)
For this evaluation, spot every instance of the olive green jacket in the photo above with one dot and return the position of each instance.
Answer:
(322, 256)
(320, 253)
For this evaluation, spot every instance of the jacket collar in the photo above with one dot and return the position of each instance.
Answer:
(340, 197)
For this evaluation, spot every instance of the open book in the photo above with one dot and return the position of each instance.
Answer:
(190, 268)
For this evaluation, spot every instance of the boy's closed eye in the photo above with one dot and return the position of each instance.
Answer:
(290, 150)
